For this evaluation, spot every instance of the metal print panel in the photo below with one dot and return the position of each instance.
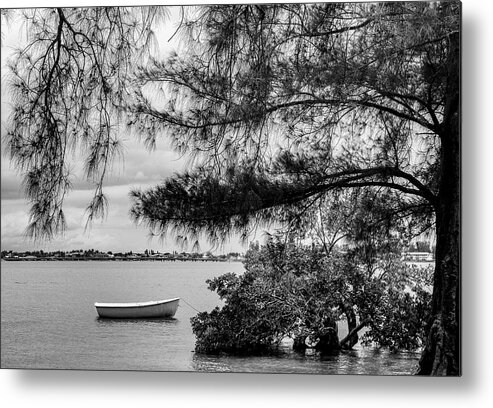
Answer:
(264, 188)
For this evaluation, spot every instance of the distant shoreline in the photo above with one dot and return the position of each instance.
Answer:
(124, 259)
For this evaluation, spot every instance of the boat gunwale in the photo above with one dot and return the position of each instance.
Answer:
(135, 304)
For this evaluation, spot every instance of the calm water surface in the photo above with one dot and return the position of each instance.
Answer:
(48, 320)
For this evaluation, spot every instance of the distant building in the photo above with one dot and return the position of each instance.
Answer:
(418, 256)
(75, 254)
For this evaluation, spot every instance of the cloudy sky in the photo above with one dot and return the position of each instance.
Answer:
(140, 169)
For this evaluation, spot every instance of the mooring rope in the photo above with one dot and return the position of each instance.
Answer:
(190, 305)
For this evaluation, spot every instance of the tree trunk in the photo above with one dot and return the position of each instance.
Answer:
(441, 355)
(353, 332)
(299, 343)
(328, 339)
(352, 338)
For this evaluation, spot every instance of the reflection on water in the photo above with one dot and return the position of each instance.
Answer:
(104, 321)
(367, 361)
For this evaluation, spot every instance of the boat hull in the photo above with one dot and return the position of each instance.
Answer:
(154, 309)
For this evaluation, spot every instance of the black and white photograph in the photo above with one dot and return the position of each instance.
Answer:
(263, 188)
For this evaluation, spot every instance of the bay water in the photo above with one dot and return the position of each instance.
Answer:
(48, 321)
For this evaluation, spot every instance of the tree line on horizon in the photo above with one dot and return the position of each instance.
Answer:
(90, 253)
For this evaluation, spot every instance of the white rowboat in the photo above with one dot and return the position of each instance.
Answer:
(152, 309)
